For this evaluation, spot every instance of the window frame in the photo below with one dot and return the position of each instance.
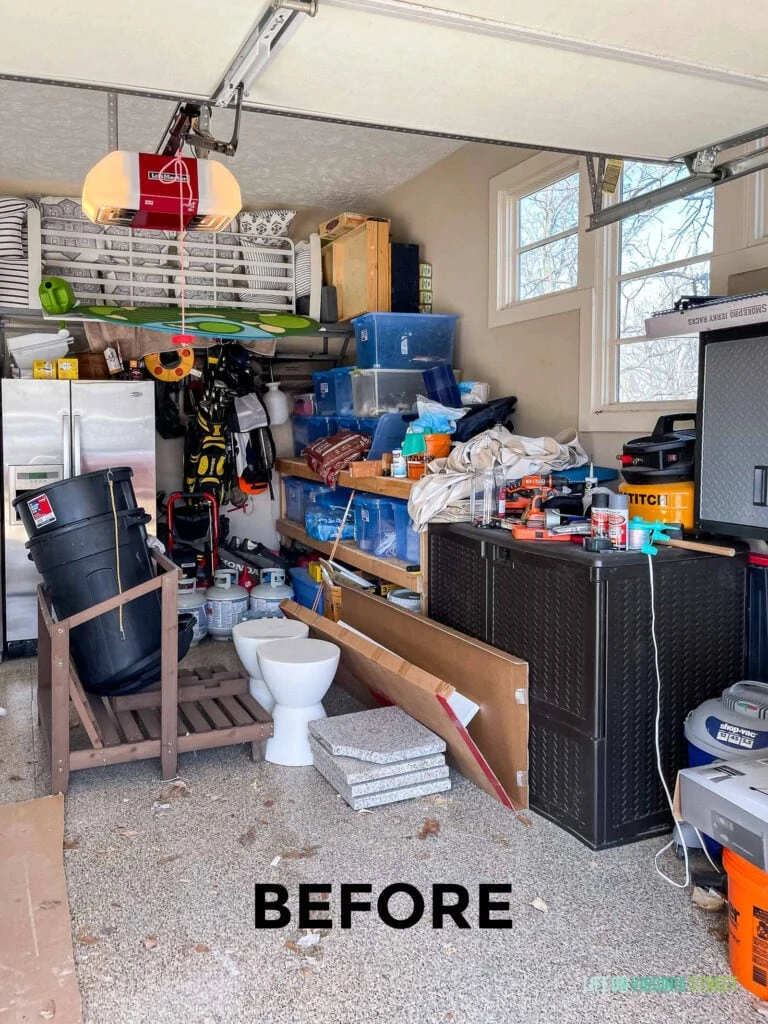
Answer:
(505, 192)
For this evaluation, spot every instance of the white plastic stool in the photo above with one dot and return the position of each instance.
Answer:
(252, 634)
(298, 674)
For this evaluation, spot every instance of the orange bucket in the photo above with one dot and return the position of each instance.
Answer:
(747, 923)
(417, 466)
(438, 445)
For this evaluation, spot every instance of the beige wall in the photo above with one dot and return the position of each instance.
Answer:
(445, 209)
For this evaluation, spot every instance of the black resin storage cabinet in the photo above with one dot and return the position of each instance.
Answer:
(583, 622)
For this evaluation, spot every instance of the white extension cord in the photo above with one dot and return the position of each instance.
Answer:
(659, 767)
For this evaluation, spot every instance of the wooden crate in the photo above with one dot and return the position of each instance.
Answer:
(359, 266)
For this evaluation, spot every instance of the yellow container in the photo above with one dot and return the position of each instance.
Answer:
(42, 369)
(668, 503)
(67, 368)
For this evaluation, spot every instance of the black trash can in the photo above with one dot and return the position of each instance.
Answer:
(79, 565)
(76, 500)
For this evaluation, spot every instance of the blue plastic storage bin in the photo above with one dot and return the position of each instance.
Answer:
(313, 493)
(309, 428)
(322, 522)
(404, 341)
(408, 544)
(295, 496)
(333, 391)
(305, 589)
(375, 526)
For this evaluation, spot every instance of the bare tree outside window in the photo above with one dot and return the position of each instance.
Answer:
(547, 243)
(663, 254)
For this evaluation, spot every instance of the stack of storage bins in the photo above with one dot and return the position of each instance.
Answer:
(393, 350)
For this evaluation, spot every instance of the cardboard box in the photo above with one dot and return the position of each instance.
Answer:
(67, 368)
(42, 369)
(728, 800)
(341, 224)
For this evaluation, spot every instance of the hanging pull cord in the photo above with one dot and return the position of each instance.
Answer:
(111, 482)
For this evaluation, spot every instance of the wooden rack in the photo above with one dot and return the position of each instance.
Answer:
(185, 710)
(391, 569)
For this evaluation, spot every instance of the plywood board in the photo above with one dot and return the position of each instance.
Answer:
(497, 681)
(37, 975)
(419, 693)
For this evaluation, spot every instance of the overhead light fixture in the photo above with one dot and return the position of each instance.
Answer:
(728, 170)
(262, 45)
(147, 190)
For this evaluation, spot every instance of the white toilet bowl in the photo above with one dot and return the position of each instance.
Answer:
(298, 674)
(252, 634)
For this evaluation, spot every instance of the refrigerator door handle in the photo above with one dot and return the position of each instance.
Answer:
(76, 443)
(66, 443)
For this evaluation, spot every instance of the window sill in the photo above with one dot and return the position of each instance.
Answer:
(565, 301)
(622, 418)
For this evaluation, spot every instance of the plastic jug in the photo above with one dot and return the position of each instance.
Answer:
(226, 604)
(266, 598)
(277, 404)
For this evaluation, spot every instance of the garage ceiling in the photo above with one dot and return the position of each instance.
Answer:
(53, 134)
(645, 78)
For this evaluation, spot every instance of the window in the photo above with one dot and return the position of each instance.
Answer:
(545, 239)
(660, 254)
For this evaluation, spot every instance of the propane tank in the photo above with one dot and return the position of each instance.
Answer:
(226, 604)
(192, 602)
(266, 598)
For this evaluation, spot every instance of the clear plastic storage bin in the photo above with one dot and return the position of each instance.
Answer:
(333, 391)
(404, 341)
(375, 526)
(408, 542)
(309, 428)
(376, 392)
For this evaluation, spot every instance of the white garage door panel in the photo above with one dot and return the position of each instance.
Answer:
(728, 35)
(412, 75)
(176, 46)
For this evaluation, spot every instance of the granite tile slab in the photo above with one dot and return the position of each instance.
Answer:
(391, 796)
(351, 770)
(382, 736)
(325, 764)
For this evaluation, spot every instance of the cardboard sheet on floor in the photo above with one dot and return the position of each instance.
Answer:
(37, 966)
(413, 673)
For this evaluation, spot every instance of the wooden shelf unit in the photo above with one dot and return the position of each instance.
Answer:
(384, 485)
(390, 569)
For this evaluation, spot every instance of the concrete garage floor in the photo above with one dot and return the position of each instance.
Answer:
(162, 899)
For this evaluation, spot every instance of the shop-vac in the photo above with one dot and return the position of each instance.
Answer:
(658, 471)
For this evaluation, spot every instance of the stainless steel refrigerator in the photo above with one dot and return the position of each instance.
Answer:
(54, 429)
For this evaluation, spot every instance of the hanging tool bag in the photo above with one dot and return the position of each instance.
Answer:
(248, 422)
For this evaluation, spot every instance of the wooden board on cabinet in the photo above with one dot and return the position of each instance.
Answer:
(359, 266)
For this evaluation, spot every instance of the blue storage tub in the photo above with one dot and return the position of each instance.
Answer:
(305, 589)
(408, 542)
(322, 522)
(375, 526)
(307, 429)
(404, 341)
(333, 391)
(295, 496)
